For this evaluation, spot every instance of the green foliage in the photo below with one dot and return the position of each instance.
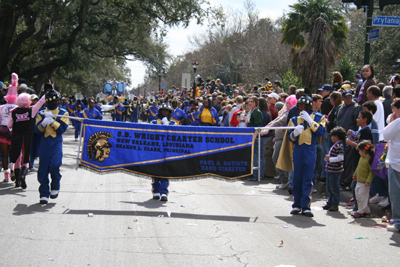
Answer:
(300, 21)
(291, 79)
(347, 68)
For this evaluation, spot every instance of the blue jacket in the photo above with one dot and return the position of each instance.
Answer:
(214, 114)
(177, 115)
(92, 113)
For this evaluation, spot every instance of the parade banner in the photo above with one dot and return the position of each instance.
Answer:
(164, 151)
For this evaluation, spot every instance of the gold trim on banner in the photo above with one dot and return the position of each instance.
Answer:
(172, 177)
(164, 159)
(164, 131)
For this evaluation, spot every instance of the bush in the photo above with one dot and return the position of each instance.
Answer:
(291, 79)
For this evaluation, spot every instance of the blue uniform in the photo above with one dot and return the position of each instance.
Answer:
(213, 112)
(77, 114)
(177, 115)
(153, 112)
(135, 110)
(193, 118)
(160, 185)
(50, 151)
(92, 113)
(118, 113)
(304, 158)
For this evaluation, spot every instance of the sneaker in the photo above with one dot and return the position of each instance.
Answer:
(384, 202)
(375, 199)
(295, 211)
(44, 200)
(326, 207)
(357, 215)
(54, 194)
(284, 185)
(156, 196)
(350, 202)
(388, 207)
(164, 197)
(347, 188)
(33, 169)
(7, 176)
(392, 228)
(307, 213)
(315, 191)
(276, 177)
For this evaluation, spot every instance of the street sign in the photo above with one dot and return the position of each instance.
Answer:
(163, 85)
(386, 21)
(373, 34)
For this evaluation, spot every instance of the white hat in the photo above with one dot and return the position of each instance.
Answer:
(198, 76)
(273, 95)
(23, 86)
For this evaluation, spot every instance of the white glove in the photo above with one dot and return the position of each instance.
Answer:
(165, 121)
(305, 116)
(50, 120)
(45, 122)
(48, 114)
(242, 116)
(298, 130)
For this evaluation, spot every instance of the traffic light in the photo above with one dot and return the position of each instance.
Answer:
(360, 3)
(383, 3)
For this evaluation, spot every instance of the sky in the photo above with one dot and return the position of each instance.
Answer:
(178, 37)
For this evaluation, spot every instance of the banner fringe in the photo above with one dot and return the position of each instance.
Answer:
(199, 177)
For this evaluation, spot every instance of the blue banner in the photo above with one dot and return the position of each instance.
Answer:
(107, 88)
(121, 88)
(167, 151)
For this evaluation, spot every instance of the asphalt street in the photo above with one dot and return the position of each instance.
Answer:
(112, 220)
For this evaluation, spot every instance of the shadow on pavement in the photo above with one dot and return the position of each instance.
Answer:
(158, 213)
(23, 209)
(300, 221)
(149, 204)
(9, 189)
(396, 238)
(336, 214)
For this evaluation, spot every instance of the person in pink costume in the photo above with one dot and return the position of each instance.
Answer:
(22, 123)
(5, 114)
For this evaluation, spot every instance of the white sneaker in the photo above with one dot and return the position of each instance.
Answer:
(375, 199)
(384, 202)
(392, 228)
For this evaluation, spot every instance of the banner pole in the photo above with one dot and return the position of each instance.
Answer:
(259, 155)
(79, 147)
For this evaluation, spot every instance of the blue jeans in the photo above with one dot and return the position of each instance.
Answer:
(262, 157)
(326, 145)
(291, 177)
(394, 189)
(333, 188)
(378, 185)
(318, 163)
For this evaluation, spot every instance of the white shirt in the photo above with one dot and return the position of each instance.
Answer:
(391, 133)
(379, 117)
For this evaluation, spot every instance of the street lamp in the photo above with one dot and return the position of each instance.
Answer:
(159, 81)
(194, 65)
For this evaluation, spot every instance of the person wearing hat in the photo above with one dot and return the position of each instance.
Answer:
(325, 91)
(346, 118)
(309, 126)
(51, 129)
(358, 79)
(272, 99)
(160, 185)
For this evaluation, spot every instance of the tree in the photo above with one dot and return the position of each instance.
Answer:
(322, 25)
(39, 36)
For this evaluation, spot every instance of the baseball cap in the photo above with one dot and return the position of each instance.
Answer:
(347, 92)
(273, 95)
(358, 75)
(326, 87)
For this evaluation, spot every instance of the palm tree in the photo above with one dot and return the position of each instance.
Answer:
(322, 25)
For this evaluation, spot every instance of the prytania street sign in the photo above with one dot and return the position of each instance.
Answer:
(386, 21)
